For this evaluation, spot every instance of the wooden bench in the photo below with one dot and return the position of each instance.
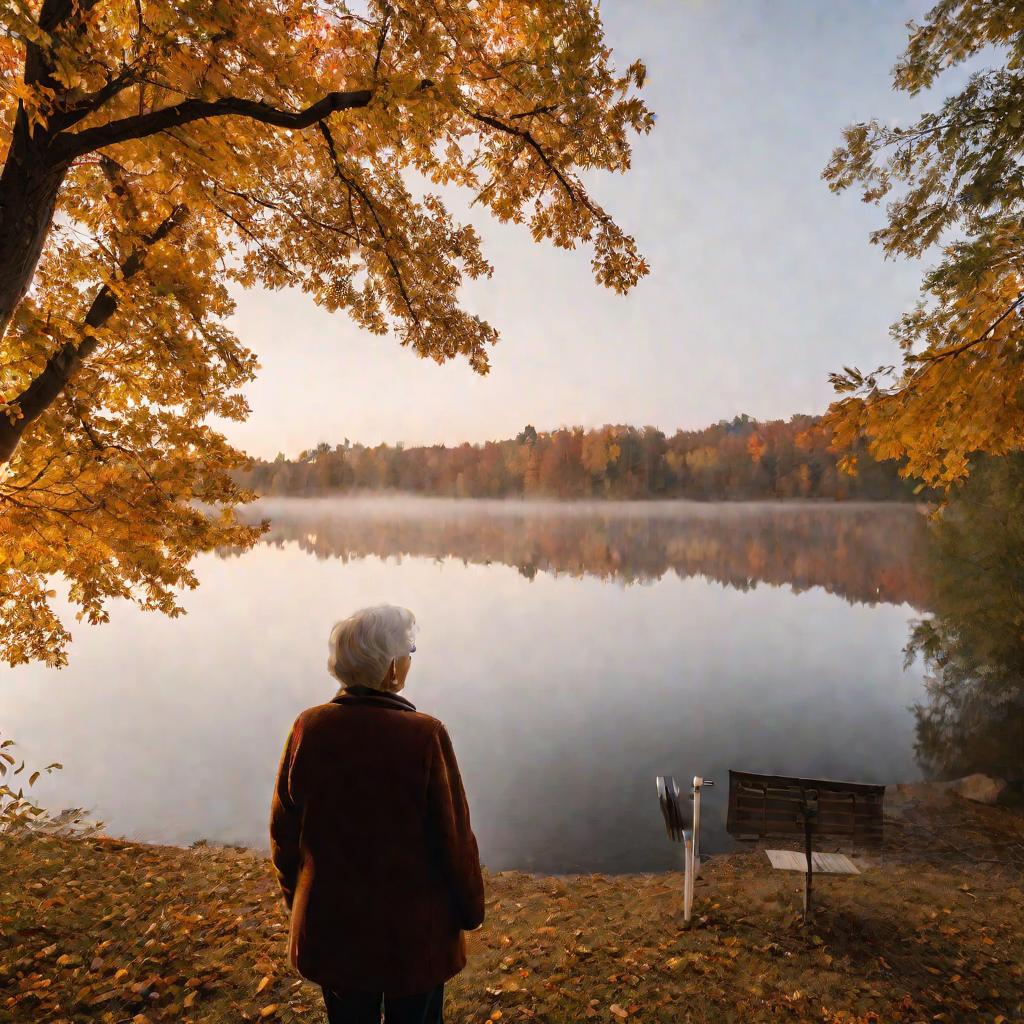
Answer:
(763, 806)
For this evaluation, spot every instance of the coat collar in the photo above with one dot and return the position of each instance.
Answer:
(365, 695)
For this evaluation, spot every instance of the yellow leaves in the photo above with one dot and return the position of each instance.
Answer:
(960, 390)
(12, 410)
(36, 100)
(674, 963)
(524, 98)
(64, 69)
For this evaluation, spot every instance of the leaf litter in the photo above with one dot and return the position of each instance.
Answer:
(101, 930)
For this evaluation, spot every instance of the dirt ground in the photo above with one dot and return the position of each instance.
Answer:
(97, 929)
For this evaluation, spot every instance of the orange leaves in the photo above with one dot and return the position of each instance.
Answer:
(960, 389)
(206, 942)
(755, 447)
(196, 127)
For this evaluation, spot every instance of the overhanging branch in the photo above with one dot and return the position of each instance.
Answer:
(955, 350)
(67, 147)
(353, 186)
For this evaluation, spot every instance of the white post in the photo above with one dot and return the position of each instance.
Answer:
(687, 875)
(697, 783)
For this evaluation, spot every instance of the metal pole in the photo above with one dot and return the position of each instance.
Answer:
(810, 866)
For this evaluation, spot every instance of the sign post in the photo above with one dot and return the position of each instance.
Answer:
(668, 798)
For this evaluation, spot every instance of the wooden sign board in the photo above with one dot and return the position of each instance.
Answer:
(827, 863)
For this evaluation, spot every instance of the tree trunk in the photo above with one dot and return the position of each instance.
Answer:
(28, 196)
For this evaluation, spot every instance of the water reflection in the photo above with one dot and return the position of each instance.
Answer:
(565, 691)
(973, 645)
(862, 552)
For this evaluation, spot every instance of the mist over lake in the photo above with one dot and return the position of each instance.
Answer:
(573, 650)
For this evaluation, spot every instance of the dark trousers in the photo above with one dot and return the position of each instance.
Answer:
(367, 1007)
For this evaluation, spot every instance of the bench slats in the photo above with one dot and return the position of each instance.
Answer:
(773, 805)
(847, 808)
(794, 823)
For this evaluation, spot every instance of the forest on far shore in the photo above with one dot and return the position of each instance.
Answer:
(738, 459)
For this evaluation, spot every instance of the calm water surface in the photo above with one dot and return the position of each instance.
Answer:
(573, 651)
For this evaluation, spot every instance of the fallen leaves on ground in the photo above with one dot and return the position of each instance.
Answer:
(99, 930)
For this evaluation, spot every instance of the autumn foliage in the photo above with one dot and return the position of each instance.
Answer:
(951, 179)
(161, 935)
(734, 459)
(156, 154)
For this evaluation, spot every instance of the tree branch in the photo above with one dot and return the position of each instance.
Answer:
(295, 277)
(72, 115)
(65, 362)
(381, 40)
(573, 193)
(354, 186)
(955, 350)
(303, 218)
(54, 13)
(67, 147)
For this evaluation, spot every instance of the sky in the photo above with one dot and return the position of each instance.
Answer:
(762, 281)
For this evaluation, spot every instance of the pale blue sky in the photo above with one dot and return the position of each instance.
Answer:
(762, 281)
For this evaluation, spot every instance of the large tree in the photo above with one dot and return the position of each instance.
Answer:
(156, 153)
(954, 182)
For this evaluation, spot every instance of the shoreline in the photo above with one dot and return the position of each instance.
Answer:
(909, 806)
(100, 929)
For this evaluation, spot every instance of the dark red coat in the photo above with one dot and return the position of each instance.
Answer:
(370, 836)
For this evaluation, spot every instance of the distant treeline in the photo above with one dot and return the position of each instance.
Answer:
(737, 459)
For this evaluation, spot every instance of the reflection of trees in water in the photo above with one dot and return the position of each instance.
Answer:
(973, 645)
(862, 553)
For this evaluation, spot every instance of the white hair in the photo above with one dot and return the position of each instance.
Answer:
(363, 646)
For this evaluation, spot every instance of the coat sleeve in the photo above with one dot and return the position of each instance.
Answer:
(449, 813)
(285, 825)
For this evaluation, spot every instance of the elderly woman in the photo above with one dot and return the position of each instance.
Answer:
(370, 836)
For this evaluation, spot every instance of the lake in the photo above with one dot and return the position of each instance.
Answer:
(574, 651)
